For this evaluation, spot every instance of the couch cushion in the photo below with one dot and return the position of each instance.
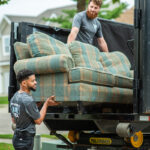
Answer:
(46, 64)
(85, 55)
(57, 84)
(87, 75)
(41, 44)
(21, 50)
(123, 82)
(116, 63)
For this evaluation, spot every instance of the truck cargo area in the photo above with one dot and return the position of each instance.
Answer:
(102, 125)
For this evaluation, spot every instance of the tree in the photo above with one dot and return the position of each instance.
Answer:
(81, 4)
(65, 20)
(2, 2)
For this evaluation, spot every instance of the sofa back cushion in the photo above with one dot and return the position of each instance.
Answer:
(21, 51)
(85, 55)
(116, 63)
(41, 44)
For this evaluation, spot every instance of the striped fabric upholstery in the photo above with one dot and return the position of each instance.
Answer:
(46, 64)
(21, 50)
(124, 82)
(57, 84)
(41, 44)
(97, 76)
(85, 55)
(86, 75)
(116, 63)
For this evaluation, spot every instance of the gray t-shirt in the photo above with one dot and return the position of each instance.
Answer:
(88, 28)
(24, 110)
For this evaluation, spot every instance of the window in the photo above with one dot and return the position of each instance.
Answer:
(6, 82)
(6, 45)
(1, 89)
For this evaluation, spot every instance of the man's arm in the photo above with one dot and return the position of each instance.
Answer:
(73, 34)
(49, 102)
(13, 125)
(13, 120)
(102, 44)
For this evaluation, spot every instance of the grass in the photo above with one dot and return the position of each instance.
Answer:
(51, 136)
(4, 100)
(4, 146)
(6, 136)
(9, 136)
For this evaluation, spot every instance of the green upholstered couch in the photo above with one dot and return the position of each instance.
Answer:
(75, 72)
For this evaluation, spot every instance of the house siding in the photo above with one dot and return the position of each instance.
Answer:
(4, 32)
(4, 80)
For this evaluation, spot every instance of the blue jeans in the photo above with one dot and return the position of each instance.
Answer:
(23, 141)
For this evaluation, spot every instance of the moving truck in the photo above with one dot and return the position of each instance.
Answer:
(102, 125)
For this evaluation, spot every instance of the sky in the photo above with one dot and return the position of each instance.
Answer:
(35, 7)
(31, 7)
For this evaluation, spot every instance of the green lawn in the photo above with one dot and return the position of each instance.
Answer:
(6, 136)
(9, 136)
(4, 146)
(4, 100)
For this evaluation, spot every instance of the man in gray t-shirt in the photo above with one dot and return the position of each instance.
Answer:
(24, 111)
(85, 26)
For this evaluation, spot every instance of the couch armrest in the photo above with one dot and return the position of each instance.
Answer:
(46, 64)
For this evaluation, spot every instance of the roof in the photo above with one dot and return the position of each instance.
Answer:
(127, 16)
(13, 18)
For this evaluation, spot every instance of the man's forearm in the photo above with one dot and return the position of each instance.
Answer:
(42, 113)
(73, 34)
(103, 45)
(71, 38)
(49, 102)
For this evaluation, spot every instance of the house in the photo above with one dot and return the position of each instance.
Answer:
(5, 29)
(126, 17)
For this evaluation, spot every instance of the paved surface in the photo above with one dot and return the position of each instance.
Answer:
(5, 127)
(5, 123)
(9, 141)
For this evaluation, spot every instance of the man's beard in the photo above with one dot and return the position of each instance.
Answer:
(32, 89)
(91, 15)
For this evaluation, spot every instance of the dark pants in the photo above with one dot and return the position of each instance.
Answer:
(23, 141)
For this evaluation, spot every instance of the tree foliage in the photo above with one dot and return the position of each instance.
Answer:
(65, 20)
(2, 2)
(112, 14)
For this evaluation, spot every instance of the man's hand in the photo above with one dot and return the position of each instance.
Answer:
(51, 101)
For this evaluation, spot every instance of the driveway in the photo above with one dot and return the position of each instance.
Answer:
(5, 123)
